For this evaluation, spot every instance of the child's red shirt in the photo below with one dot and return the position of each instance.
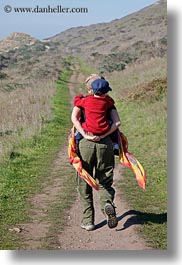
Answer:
(96, 120)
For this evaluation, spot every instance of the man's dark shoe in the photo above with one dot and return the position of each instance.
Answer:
(110, 213)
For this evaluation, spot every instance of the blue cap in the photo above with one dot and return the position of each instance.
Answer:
(100, 86)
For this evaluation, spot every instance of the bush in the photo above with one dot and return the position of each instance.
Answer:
(3, 75)
(110, 67)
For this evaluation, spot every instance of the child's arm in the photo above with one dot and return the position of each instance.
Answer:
(75, 117)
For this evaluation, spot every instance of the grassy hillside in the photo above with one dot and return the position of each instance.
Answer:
(111, 46)
(108, 46)
(142, 105)
(118, 34)
(15, 41)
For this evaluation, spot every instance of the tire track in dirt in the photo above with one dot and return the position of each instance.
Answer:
(34, 233)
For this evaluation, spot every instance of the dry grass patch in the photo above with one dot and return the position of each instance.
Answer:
(24, 111)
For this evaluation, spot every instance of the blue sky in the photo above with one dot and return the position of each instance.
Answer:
(44, 25)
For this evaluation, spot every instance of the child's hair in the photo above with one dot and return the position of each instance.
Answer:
(91, 78)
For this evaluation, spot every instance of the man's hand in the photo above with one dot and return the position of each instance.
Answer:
(90, 137)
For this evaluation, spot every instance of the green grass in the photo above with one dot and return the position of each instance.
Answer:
(85, 67)
(144, 123)
(22, 173)
(85, 70)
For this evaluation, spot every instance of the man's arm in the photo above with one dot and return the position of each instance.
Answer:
(75, 117)
(116, 123)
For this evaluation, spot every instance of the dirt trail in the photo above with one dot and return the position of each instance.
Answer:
(102, 238)
(124, 237)
(34, 233)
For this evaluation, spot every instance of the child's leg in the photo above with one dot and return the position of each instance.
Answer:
(114, 138)
(78, 136)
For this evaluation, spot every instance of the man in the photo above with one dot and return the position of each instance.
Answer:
(97, 156)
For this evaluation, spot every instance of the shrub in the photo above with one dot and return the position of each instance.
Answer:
(3, 75)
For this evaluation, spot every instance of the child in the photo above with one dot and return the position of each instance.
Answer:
(96, 107)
